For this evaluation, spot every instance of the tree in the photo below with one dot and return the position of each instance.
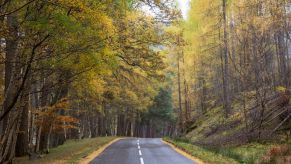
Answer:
(159, 120)
(48, 47)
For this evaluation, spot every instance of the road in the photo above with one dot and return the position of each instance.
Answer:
(140, 151)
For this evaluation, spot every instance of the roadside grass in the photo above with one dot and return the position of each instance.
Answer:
(246, 154)
(250, 153)
(70, 152)
(205, 155)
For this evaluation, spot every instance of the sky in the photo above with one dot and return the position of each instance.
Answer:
(184, 6)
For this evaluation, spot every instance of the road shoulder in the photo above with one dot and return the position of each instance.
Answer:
(187, 155)
(96, 153)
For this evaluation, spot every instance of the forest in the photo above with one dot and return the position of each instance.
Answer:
(218, 78)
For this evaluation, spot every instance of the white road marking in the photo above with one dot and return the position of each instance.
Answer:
(141, 160)
(139, 152)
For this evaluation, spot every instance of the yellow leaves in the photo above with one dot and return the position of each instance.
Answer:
(91, 14)
(131, 95)
(173, 30)
(281, 89)
(106, 24)
(133, 99)
(203, 16)
(100, 34)
(71, 3)
(95, 86)
(157, 1)
(136, 21)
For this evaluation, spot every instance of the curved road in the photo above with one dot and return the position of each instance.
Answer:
(140, 151)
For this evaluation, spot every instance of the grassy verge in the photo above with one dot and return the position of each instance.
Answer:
(245, 154)
(70, 152)
(248, 154)
(201, 153)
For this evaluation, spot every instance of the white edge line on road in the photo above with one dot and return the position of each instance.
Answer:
(139, 152)
(138, 147)
(141, 160)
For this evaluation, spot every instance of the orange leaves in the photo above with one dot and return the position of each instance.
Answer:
(64, 122)
(62, 104)
(53, 116)
(66, 119)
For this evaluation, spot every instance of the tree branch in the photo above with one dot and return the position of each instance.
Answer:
(20, 89)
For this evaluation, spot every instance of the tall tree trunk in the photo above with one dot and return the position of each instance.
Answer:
(181, 120)
(22, 139)
(10, 56)
(186, 97)
(226, 64)
(282, 50)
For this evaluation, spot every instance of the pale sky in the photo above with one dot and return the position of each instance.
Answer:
(184, 5)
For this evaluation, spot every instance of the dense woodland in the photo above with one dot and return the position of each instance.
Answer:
(78, 69)
(233, 73)
(74, 69)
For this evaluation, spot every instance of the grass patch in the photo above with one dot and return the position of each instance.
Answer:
(70, 152)
(245, 154)
(250, 153)
(201, 153)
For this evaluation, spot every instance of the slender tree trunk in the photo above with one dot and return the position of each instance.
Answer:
(226, 64)
(10, 56)
(181, 120)
(23, 136)
(186, 97)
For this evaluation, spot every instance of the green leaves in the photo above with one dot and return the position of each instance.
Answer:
(162, 108)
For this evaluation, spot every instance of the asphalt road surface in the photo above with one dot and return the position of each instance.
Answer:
(140, 151)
